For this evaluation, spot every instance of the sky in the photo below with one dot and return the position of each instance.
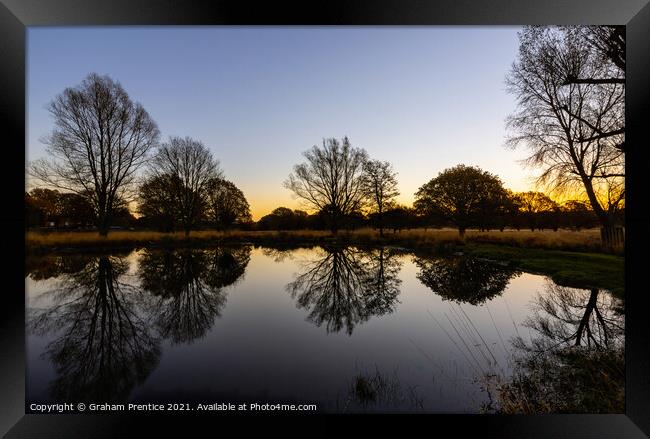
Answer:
(423, 98)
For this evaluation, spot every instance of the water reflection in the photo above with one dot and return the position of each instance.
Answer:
(187, 288)
(574, 361)
(564, 316)
(105, 322)
(104, 347)
(343, 287)
(107, 327)
(377, 391)
(464, 279)
(51, 266)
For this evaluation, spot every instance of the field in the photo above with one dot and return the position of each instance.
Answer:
(584, 240)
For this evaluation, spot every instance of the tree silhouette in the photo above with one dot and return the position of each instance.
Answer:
(534, 206)
(399, 217)
(608, 44)
(45, 204)
(464, 279)
(189, 167)
(100, 140)
(346, 286)
(577, 214)
(75, 209)
(330, 181)
(380, 188)
(562, 123)
(226, 204)
(105, 347)
(157, 205)
(283, 218)
(188, 288)
(464, 195)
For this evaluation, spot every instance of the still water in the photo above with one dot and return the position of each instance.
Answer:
(347, 329)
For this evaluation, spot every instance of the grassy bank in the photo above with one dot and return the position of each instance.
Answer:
(572, 269)
(585, 241)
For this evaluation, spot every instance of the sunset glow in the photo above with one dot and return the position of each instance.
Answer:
(258, 97)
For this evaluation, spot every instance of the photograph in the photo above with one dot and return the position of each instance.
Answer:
(325, 219)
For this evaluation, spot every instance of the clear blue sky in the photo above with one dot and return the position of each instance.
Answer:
(423, 98)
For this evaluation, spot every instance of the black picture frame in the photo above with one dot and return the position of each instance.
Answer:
(16, 15)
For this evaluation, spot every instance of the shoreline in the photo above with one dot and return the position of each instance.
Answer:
(587, 240)
(569, 258)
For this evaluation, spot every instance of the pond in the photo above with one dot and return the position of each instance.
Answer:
(348, 329)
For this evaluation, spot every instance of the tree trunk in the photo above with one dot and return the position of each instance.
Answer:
(612, 236)
(102, 225)
(461, 233)
(584, 321)
(334, 226)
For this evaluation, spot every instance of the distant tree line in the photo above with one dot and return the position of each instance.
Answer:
(346, 189)
(51, 208)
(573, 214)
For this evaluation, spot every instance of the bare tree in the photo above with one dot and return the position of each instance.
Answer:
(100, 140)
(380, 187)
(330, 181)
(607, 43)
(191, 166)
(561, 124)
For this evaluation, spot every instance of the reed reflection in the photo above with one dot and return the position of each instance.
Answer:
(103, 346)
(464, 279)
(574, 361)
(345, 286)
(187, 287)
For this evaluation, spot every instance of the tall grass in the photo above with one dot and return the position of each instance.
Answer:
(585, 240)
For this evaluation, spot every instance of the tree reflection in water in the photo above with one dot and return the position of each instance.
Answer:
(49, 266)
(574, 363)
(345, 286)
(464, 279)
(564, 316)
(105, 347)
(187, 286)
